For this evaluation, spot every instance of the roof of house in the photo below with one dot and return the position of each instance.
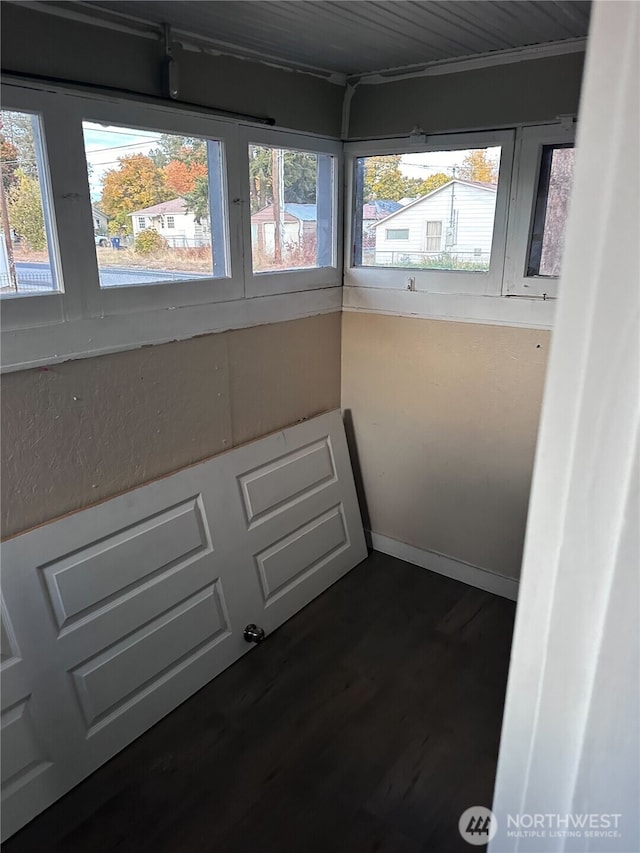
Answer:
(301, 212)
(478, 184)
(379, 208)
(174, 205)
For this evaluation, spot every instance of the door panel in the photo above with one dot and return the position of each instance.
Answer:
(115, 615)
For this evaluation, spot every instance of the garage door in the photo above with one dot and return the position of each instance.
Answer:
(114, 615)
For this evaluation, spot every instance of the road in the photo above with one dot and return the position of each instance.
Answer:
(36, 278)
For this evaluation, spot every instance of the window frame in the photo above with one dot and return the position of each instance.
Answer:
(163, 295)
(270, 283)
(528, 161)
(430, 280)
(396, 230)
(38, 309)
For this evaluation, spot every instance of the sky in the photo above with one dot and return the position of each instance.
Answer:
(104, 144)
(421, 165)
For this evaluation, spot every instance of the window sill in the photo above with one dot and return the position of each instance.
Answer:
(461, 308)
(84, 338)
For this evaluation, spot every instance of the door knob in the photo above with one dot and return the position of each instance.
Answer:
(254, 634)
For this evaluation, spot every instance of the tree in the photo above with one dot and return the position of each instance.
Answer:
(8, 162)
(428, 185)
(18, 130)
(186, 149)
(136, 183)
(478, 166)
(300, 177)
(25, 210)
(180, 177)
(197, 200)
(383, 178)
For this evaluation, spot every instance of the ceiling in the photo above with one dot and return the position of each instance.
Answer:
(359, 36)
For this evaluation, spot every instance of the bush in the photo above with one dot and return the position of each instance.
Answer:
(148, 242)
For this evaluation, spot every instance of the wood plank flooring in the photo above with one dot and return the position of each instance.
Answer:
(368, 722)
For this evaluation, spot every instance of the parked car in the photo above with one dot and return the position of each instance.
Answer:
(100, 240)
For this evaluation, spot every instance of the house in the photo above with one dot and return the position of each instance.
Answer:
(299, 225)
(100, 220)
(174, 222)
(457, 218)
(186, 461)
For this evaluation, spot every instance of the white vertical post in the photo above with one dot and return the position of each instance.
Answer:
(570, 738)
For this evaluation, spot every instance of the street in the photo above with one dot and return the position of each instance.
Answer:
(36, 278)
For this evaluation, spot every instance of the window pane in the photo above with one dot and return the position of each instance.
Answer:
(158, 206)
(292, 216)
(26, 236)
(552, 203)
(443, 201)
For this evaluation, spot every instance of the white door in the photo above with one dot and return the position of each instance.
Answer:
(116, 614)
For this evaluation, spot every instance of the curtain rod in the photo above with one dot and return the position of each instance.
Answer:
(132, 93)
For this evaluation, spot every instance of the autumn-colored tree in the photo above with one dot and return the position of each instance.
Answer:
(417, 187)
(186, 149)
(25, 210)
(136, 183)
(181, 177)
(478, 166)
(8, 162)
(383, 178)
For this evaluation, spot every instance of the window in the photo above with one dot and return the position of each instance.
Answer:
(144, 175)
(550, 215)
(397, 234)
(446, 198)
(27, 244)
(538, 213)
(292, 216)
(150, 206)
(434, 236)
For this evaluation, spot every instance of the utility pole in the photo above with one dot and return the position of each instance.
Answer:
(277, 173)
(6, 229)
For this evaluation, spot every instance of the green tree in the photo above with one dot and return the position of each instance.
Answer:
(184, 149)
(383, 178)
(25, 210)
(300, 177)
(478, 166)
(427, 185)
(197, 200)
(137, 183)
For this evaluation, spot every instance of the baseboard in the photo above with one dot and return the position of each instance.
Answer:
(447, 566)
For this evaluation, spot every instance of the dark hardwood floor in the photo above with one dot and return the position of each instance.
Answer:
(368, 722)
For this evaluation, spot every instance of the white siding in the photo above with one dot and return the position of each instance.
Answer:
(469, 209)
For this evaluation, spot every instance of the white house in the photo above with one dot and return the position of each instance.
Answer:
(100, 220)
(174, 222)
(456, 220)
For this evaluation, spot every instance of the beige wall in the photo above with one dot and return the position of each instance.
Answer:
(75, 433)
(38, 43)
(445, 417)
(537, 90)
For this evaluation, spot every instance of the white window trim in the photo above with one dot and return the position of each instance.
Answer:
(285, 281)
(83, 319)
(523, 199)
(436, 281)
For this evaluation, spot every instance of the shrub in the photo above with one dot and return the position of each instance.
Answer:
(148, 242)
